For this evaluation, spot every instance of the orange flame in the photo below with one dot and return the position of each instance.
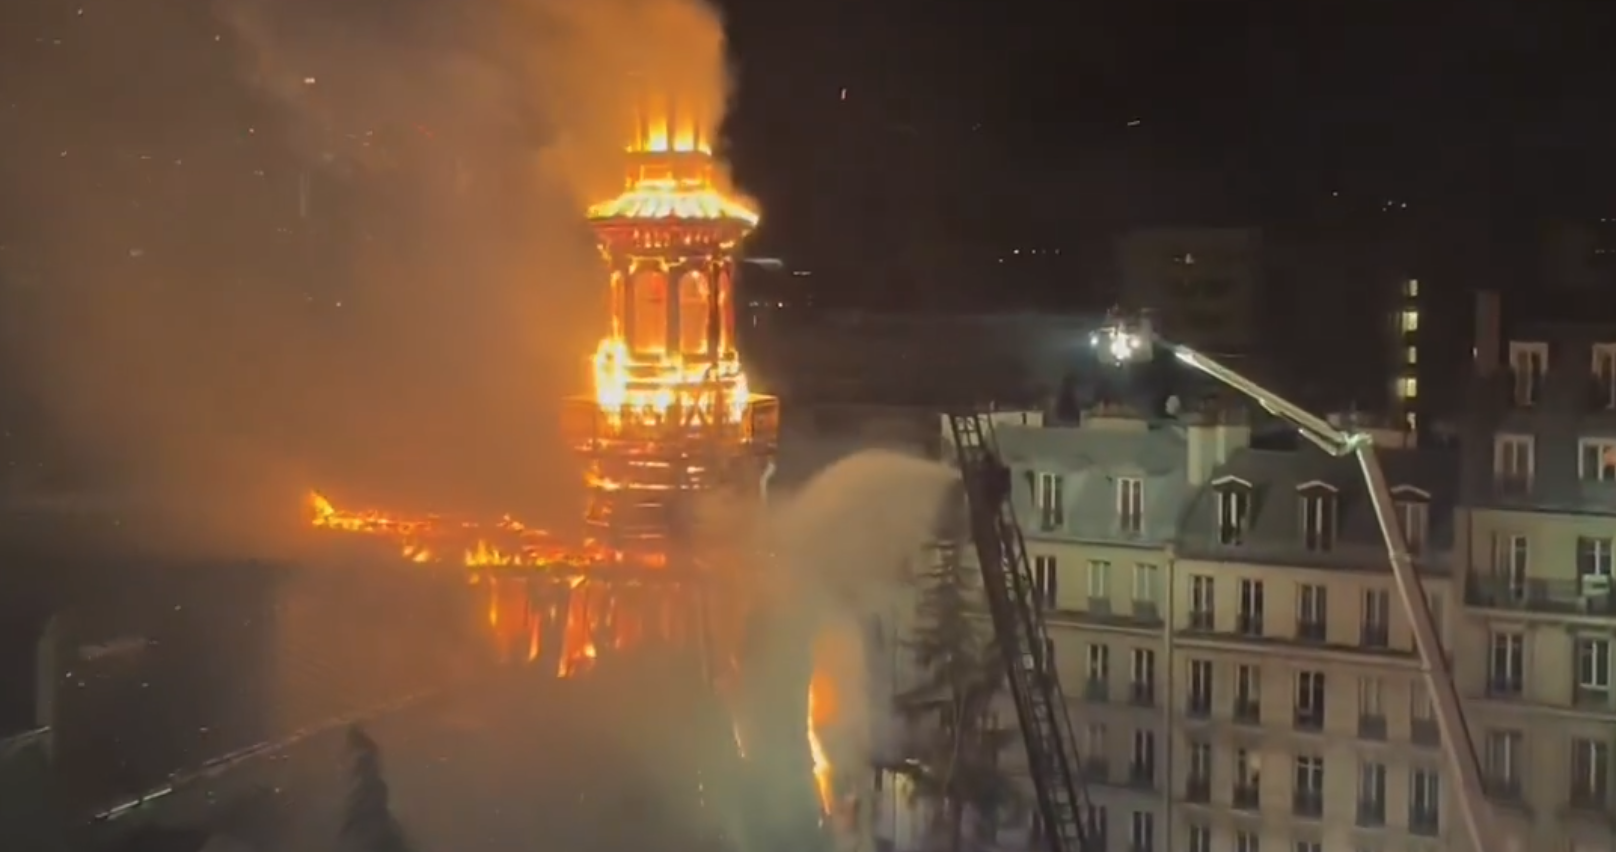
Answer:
(820, 709)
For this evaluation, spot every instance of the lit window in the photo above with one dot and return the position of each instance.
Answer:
(1408, 387)
(1411, 355)
(1411, 288)
(1409, 321)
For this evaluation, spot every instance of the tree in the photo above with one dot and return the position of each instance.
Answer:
(368, 824)
(954, 748)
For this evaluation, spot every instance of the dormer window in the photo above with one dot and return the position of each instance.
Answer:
(1413, 507)
(1318, 503)
(1234, 509)
(1130, 505)
(1529, 362)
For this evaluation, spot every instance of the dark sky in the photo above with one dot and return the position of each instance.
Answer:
(1243, 109)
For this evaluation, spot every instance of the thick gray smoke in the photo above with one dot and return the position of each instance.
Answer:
(266, 246)
(842, 546)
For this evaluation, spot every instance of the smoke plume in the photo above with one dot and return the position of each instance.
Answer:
(265, 246)
(842, 545)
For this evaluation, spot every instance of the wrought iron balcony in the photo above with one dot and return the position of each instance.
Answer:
(1374, 636)
(1198, 706)
(1309, 719)
(1424, 821)
(1371, 813)
(1202, 619)
(1371, 727)
(1424, 732)
(1247, 797)
(1198, 788)
(1247, 711)
(1311, 630)
(1096, 690)
(1142, 694)
(1307, 803)
(1142, 775)
(1249, 624)
(1554, 597)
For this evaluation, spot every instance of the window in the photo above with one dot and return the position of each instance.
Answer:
(1044, 581)
(1309, 786)
(1201, 602)
(1049, 654)
(1504, 665)
(1371, 698)
(1509, 562)
(1424, 801)
(1051, 501)
(1411, 355)
(1200, 762)
(1512, 462)
(1307, 846)
(1144, 676)
(1408, 387)
(1375, 625)
(1593, 557)
(1312, 607)
(1146, 584)
(1246, 841)
(1528, 362)
(1318, 517)
(1099, 663)
(1310, 700)
(1200, 697)
(695, 295)
(1411, 288)
(1604, 373)
(1501, 762)
(1100, 823)
(1200, 838)
(1142, 834)
(649, 331)
(1414, 518)
(1247, 693)
(1408, 320)
(1247, 778)
(1590, 772)
(1234, 512)
(1596, 459)
(1142, 766)
(1251, 608)
(1371, 793)
(1593, 664)
(1099, 582)
(1095, 746)
(1130, 505)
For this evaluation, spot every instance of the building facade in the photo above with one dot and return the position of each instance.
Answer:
(1536, 529)
(1237, 668)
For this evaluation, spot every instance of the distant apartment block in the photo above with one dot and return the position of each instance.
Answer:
(1201, 284)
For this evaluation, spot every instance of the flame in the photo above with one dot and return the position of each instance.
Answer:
(819, 710)
(643, 392)
(672, 177)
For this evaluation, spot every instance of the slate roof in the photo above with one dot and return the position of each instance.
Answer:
(1089, 461)
(1274, 532)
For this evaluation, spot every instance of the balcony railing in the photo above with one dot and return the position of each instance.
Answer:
(1553, 597)
(1099, 605)
(1249, 624)
(1371, 727)
(1198, 706)
(1247, 711)
(1591, 697)
(1198, 788)
(1505, 686)
(1146, 611)
(1501, 788)
(1424, 821)
(1309, 719)
(1202, 619)
(1142, 775)
(1374, 636)
(1096, 690)
(1424, 732)
(1586, 798)
(1311, 630)
(1246, 798)
(1371, 813)
(1142, 694)
(1307, 803)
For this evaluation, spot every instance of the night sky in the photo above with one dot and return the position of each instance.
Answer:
(162, 280)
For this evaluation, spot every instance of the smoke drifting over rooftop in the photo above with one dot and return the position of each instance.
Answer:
(288, 244)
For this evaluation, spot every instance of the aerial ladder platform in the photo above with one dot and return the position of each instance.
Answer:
(1018, 624)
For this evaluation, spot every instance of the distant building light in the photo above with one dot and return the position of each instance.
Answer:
(1409, 320)
(1411, 355)
(1411, 288)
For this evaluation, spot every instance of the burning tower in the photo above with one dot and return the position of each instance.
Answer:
(670, 417)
